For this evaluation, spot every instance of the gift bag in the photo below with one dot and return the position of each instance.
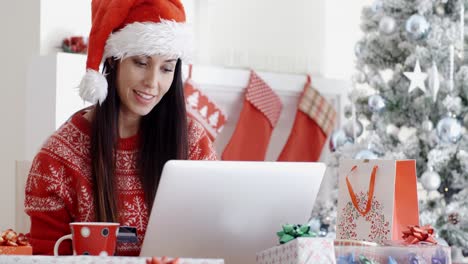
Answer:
(377, 199)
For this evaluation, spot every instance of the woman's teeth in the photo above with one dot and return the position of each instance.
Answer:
(145, 96)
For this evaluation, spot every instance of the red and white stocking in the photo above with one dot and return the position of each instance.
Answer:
(314, 120)
(259, 115)
(202, 109)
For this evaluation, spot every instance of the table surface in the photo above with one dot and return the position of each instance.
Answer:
(93, 260)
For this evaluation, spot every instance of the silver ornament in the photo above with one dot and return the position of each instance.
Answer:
(314, 224)
(338, 139)
(377, 6)
(358, 128)
(359, 77)
(327, 220)
(366, 154)
(427, 125)
(465, 120)
(376, 103)
(430, 180)
(358, 49)
(387, 25)
(348, 111)
(417, 27)
(392, 130)
(440, 9)
(323, 232)
(441, 241)
(434, 81)
(449, 130)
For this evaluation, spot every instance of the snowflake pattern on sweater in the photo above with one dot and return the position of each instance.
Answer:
(59, 187)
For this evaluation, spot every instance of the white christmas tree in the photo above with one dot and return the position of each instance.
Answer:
(410, 101)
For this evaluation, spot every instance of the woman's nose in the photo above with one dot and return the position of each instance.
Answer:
(151, 79)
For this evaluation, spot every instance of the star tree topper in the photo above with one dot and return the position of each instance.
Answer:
(416, 78)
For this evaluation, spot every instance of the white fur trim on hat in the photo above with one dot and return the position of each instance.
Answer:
(167, 38)
(93, 87)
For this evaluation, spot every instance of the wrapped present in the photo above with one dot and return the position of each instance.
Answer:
(12, 243)
(417, 247)
(304, 250)
(417, 254)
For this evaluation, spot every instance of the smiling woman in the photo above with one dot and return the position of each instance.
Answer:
(105, 162)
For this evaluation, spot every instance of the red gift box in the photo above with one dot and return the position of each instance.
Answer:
(19, 250)
(12, 243)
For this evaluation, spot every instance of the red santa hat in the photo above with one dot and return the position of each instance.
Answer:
(122, 28)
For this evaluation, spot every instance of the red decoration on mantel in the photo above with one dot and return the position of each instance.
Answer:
(75, 44)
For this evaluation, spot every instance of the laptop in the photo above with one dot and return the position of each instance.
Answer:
(228, 209)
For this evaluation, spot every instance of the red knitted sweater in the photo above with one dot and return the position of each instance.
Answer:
(59, 188)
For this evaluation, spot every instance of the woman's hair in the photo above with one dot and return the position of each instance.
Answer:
(163, 136)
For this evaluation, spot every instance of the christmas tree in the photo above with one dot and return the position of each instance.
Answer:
(410, 101)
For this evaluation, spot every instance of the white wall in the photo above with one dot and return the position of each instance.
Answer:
(342, 31)
(262, 34)
(20, 40)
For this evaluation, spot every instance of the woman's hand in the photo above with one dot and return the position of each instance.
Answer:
(155, 260)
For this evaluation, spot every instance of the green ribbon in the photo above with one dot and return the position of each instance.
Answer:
(365, 260)
(291, 232)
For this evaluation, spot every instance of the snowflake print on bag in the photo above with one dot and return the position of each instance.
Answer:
(379, 226)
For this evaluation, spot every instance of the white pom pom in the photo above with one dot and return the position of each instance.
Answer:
(93, 87)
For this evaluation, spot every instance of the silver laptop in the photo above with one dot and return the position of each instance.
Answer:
(228, 209)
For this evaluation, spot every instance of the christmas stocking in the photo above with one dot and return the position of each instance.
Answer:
(202, 109)
(259, 115)
(314, 121)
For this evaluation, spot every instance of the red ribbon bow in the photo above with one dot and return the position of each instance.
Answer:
(163, 260)
(415, 234)
(11, 238)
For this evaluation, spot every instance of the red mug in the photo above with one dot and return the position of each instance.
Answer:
(91, 238)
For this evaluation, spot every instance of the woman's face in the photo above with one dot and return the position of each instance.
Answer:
(142, 81)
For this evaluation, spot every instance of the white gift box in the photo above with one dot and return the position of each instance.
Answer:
(303, 250)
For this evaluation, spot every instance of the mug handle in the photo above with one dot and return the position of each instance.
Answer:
(59, 241)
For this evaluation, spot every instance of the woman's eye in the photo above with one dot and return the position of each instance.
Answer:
(168, 69)
(140, 63)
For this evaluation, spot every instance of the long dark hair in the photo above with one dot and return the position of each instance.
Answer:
(163, 136)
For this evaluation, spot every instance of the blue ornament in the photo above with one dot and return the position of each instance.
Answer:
(391, 260)
(366, 154)
(439, 257)
(376, 103)
(449, 130)
(377, 6)
(347, 259)
(338, 139)
(358, 49)
(417, 27)
(415, 259)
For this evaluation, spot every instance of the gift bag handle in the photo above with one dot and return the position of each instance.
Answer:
(370, 193)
